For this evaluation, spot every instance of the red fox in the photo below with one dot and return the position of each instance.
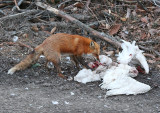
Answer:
(55, 46)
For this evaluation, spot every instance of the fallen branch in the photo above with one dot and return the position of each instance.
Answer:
(103, 36)
(18, 15)
(87, 5)
(15, 43)
(150, 50)
(56, 24)
(80, 16)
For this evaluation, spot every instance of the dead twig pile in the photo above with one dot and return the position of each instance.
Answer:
(109, 21)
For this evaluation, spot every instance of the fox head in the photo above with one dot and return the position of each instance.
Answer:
(94, 49)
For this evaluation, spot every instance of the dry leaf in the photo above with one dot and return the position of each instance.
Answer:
(149, 55)
(47, 32)
(107, 26)
(114, 29)
(151, 61)
(109, 53)
(78, 5)
(42, 27)
(157, 10)
(158, 66)
(153, 31)
(52, 1)
(143, 35)
(144, 19)
(134, 13)
(52, 19)
(157, 59)
(123, 35)
(25, 35)
(123, 19)
(35, 28)
(53, 30)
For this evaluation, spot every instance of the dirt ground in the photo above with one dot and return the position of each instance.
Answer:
(39, 90)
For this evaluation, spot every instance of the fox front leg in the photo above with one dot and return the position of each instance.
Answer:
(82, 62)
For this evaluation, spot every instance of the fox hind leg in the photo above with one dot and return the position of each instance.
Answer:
(55, 59)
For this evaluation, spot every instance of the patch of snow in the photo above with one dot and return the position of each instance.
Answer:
(39, 107)
(70, 78)
(55, 102)
(42, 56)
(66, 102)
(15, 38)
(68, 58)
(72, 93)
(13, 94)
(50, 65)
(26, 88)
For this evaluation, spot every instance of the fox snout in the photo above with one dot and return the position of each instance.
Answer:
(96, 56)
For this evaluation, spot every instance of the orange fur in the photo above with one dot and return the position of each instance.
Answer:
(56, 45)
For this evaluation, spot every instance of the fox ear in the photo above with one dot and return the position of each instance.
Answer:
(92, 45)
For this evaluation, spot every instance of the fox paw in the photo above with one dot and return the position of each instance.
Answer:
(11, 71)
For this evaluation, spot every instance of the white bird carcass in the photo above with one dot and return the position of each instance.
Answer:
(132, 52)
(118, 81)
(128, 86)
(86, 75)
(117, 78)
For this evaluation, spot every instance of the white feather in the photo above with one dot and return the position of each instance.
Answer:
(118, 81)
(127, 85)
(86, 75)
(130, 52)
(105, 60)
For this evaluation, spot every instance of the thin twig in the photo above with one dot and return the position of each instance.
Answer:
(15, 43)
(18, 15)
(149, 49)
(16, 6)
(87, 5)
